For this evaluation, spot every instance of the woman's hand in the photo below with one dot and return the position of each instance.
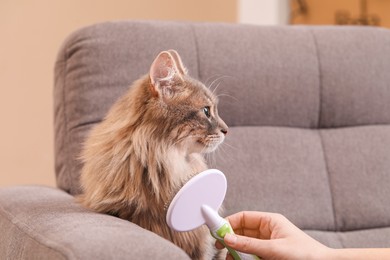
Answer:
(271, 236)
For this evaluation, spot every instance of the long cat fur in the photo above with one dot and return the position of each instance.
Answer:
(150, 142)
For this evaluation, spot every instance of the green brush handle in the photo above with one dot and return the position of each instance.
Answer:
(220, 233)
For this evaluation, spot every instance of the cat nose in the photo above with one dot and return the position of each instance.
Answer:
(223, 126)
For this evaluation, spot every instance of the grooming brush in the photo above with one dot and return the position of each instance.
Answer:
(197, 203)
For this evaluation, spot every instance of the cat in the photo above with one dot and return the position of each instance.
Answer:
(151, 141)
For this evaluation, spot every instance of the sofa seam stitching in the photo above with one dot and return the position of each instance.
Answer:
(320, 85)
(196, 44)
(329, 180)
(319, 120)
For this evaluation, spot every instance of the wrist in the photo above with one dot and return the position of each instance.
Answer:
(322, 252)
(331, 253)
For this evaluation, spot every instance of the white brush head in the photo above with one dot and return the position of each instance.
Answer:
(185, 211)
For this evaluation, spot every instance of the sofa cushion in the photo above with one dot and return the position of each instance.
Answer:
(45, 223)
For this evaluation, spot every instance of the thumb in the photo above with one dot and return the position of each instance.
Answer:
(245, 244)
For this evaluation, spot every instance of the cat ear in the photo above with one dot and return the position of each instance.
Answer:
(165, 73)
(183, 70)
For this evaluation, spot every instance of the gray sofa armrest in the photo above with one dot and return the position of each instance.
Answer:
(46, 223)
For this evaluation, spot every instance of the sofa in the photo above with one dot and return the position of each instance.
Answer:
(308, 109)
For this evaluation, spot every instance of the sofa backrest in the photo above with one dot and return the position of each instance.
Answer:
(308, 110)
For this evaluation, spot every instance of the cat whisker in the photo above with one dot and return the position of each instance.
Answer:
(229, 145)
(216, 88)
(216, 80)
(227, 95)
(207, 81)
(213, 159)
(185, 137)
(220, 152)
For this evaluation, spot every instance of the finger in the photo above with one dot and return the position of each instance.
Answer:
(219, 245)
(246, 244)
(248, 219)
(252, 223)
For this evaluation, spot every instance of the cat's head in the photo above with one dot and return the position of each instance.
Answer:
(185, 109)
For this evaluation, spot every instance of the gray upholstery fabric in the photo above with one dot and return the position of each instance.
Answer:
(308, 110)
(373, 238)
(279, 170)
(309, 116)
(46, 223)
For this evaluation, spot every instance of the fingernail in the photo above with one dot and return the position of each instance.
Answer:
(230, 239)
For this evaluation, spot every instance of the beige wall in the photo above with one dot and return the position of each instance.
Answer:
(30, 35)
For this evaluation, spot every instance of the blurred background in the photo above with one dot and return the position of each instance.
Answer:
(31, 33)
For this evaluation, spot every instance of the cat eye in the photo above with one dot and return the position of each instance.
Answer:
(206, 111)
